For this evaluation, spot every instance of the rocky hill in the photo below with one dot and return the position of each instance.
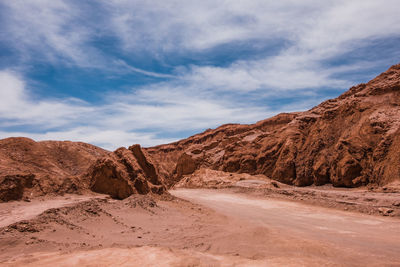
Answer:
(29, 169)
(37, 168)
(348, 141)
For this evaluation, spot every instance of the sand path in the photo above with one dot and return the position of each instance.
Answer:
(366, 235)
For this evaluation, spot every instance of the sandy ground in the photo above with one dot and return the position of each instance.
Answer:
(383, 201)
(372, 238)
(225, 227)
(346, 199)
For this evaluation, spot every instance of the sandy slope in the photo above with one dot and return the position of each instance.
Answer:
(12, 212)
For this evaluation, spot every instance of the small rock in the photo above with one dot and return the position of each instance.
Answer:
(275, 184)
(369, 199)
(385, 211)
(396, 204)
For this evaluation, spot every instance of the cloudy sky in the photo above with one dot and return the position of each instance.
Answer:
(118, 72)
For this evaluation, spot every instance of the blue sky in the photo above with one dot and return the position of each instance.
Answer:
(117, 72)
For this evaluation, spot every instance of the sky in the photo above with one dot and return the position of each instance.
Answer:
(118, 72)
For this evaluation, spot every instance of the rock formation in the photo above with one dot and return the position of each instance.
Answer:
(37, 168)
(123, 173)
(29, 169)
(349, 141)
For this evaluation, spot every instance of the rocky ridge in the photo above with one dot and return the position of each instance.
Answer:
(348, 141)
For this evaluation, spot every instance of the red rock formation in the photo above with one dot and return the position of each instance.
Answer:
(38, 168)
(349, 141)
(29, 168)
(123, 173)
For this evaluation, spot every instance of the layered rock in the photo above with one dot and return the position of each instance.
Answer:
(349, 141)
(123, 173)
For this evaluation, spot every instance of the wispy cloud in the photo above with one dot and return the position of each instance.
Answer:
(46, 30)
(123, 64)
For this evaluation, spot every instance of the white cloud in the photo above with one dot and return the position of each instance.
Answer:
(177, 24)
(107, 139)
(314, 31)
(11, 90)
(17, 106)
(46, 30)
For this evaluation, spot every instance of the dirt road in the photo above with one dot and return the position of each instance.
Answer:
(372, 238)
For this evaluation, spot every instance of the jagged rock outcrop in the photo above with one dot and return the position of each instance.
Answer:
(123, 173)
(38, 168)
(349, 141)
(12, 186)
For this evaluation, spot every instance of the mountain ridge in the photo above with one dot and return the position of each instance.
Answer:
(372, 108)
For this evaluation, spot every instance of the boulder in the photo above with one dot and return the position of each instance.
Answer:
(123, 173)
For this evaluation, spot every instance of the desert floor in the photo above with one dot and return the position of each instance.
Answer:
(236, 226)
